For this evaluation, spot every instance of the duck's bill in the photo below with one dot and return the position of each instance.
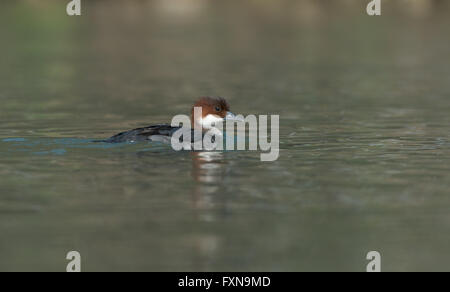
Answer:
(232, 117)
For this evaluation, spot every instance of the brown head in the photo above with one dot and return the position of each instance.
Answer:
(214, 109)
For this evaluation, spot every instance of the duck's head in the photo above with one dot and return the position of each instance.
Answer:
(214, 110)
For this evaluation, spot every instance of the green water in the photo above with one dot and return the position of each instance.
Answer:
(364, 108)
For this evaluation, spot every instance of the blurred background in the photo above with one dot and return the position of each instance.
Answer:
(364, 115)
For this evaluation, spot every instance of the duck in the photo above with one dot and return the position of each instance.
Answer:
(213, 110)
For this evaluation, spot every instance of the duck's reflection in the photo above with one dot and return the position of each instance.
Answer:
(208, 171)
(207, 166)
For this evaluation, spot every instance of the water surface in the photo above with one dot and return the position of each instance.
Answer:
(365, 148)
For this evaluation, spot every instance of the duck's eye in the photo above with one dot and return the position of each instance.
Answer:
(218, 109)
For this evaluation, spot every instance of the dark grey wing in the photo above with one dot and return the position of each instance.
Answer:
(143, 134)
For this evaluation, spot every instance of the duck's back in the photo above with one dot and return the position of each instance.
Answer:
(162, 133)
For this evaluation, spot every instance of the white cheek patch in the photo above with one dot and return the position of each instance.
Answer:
(210, 120)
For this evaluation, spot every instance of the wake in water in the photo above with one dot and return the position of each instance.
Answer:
(61, 146)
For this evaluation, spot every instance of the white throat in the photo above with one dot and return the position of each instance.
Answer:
(209, 122)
